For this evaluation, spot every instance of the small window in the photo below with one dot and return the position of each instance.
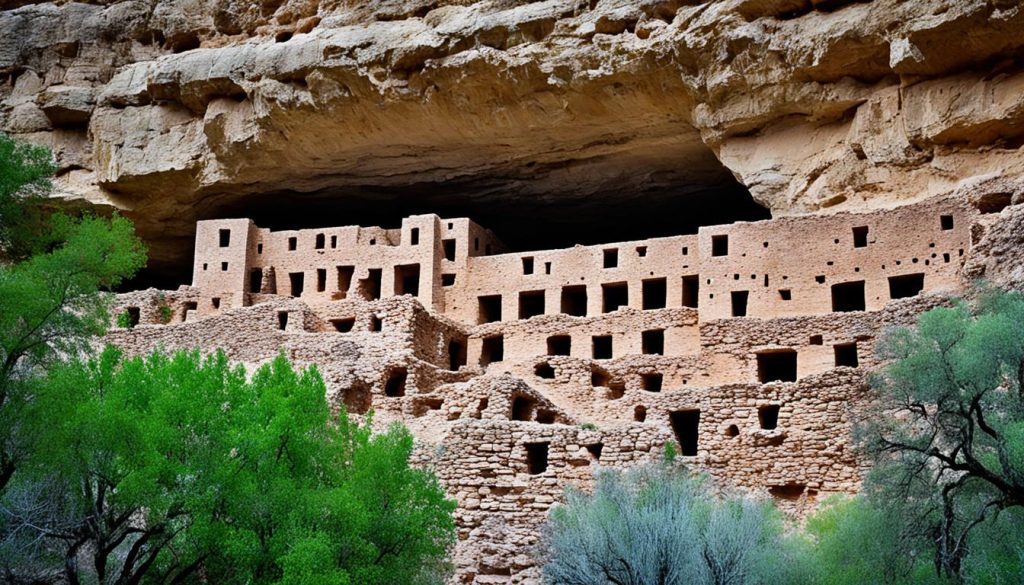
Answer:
(544, 371)
(860, 237)
(493, 350)
(846, 355)
(334, 241)
(848, 296)
(768, 416)
(293, 244)
(595, 450)
(223, 266)
(602, 347)
(321, 279)
(259, 248)
(447, 280)
(282, 320)
(785, 294)
(739, 303)
(653, 342)
(614, 295)
(215, 301)
(654, 293)
(641, 251)
(536, 458)
(820, 279)
(640, 413)
(343, 325)
(414, 237)
(547, 268)
(686, 250)
(522, 408)
(574, 300)
(815, 340)
(449, 249)
(528, 265)
(611, 258)
(720, 245)
(776, 366)
(531, 304)
(225, 238)
(256, 280)
(691, 291)
(345, 274)
(908, 285)
(946, 221)
(559, 345)
(685, 425)
(651, 382)
(295, 279)
(394, 386)
(373, 241)
(134, 316)
(319, 245)
(456, 355)
(407, 280)
(376, 324)
(489, 309)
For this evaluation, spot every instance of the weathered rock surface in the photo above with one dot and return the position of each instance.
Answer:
(184, 109)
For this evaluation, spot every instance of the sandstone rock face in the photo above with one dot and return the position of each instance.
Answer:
(180, 110)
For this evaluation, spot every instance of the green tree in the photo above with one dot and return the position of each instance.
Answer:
(661, 525)
(52, 269)
(949, 435)
(162, 469)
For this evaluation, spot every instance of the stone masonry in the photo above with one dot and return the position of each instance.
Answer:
(520, 372)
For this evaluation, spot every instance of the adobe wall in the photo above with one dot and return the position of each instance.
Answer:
(764, 401)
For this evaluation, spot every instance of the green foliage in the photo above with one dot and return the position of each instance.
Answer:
(949, 437)
(164, 311)
(669, 453)
(196, 470)
(25, 172)
(588, 426)
(124, 320)
(660, 524)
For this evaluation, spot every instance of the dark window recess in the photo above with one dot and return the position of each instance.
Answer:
(319, 245)
(785, 294)
(776, 366)
(545, 417)
(739, 303)
(536, 458)
(768, 416)
(256, 280)
(611, 258)
(259, 248)
(815, 340)
(456, 355)
(846, 355)
(407, 280)
(820, 279)
(449, 249)
(547, 268)
(215, 301)
(599, 377)
(224, 266)
(655, 293)
(134, 316)
(908, 285)
(544, 370)
(447, 280)
(282, 320)
(334, 241)
(860, 237)
(848, 296)
(414, 238)
(651, 382)
(732, 431)
(343, 325)
(720, 245)
(614, 295)
(395, 384)
(641, 251)
(527, 265)
(559, 345)
(376, 324)
(522, 408)
(574, 300)
(691, 291)
(371, 286)
(685, 424)
(946, 221)
(595, 450)
(296, 279)
(602, 347)
(189, 306)
(492, 350)
(225, 238)
(489, 309)
(640, 413)
(321, 279)
(293, 244)
(653, 342)
(531, 304)
(345, 279)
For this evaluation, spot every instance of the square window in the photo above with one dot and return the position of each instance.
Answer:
(653, 342)
(946, 221)
(611, 258)
(846, 355)
(720, 245)
(528, 265)
(602, 347)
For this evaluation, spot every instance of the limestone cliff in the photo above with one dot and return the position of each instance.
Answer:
(173, 110)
